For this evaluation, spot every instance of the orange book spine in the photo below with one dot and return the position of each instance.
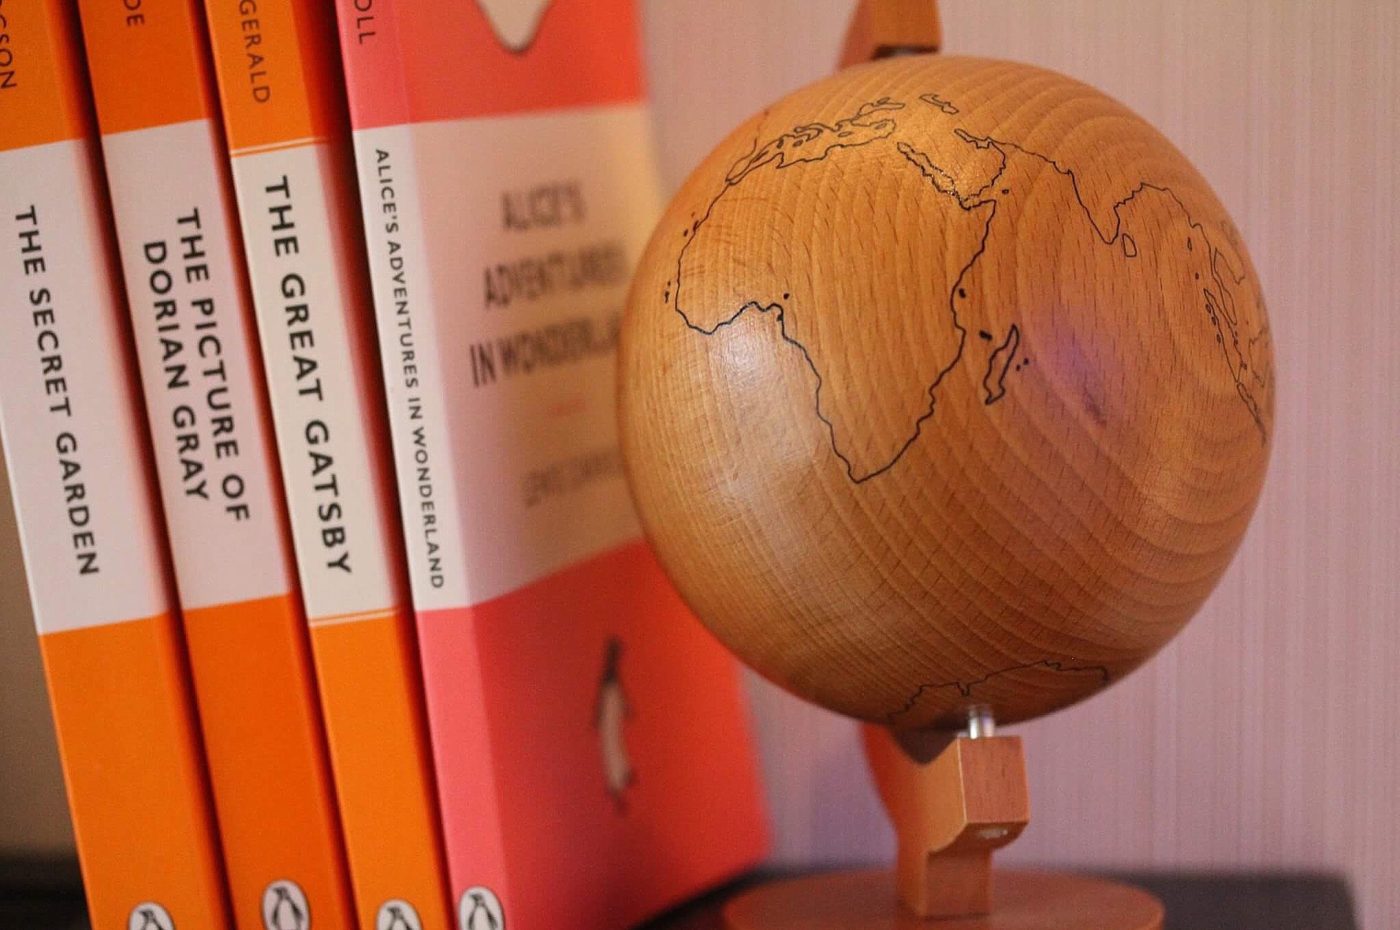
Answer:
(282, 99)
(96, 563)
(167, 171)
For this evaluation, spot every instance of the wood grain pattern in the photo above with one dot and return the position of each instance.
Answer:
(944, 382)
(1264, 735)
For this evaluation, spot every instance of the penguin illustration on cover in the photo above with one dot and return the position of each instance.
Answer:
(479, 911)
(150, 916)
(284, 907)
(610, 714)
(397, 915)
(515, 22)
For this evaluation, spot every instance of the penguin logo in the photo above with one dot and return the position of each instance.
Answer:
(515, 22)
(610, 715)
(148, 915)
(284, 907)
(480, 909)
(396, 914)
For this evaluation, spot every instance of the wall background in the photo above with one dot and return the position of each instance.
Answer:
(1266, 734)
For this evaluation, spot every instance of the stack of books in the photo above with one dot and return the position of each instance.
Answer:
(308, 314)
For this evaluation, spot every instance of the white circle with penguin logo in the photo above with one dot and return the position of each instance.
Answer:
(148, 915)
(284, 907)
(397, 914)
(480, 909)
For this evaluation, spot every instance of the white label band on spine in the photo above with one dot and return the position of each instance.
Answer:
(212, 448)
(73, 438)
(301, 291)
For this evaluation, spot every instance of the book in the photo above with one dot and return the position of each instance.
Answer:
(80, 474)
(590, 740)
(167, 173)
(285, 120)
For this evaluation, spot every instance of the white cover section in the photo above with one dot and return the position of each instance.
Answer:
(389, 196)
(86, 335)
(301, 292)
(412, 374)
(534, 448)
(226, 548)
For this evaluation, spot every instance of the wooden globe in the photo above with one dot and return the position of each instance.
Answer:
(945, 382)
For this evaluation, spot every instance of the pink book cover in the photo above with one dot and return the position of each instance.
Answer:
(590, 739)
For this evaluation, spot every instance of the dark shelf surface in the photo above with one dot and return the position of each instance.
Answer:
(43, 893)
(46, 894)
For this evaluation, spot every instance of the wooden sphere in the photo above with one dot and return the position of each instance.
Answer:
(945, 382)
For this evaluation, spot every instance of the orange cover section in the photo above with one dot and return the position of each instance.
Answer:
(281, 817)
(383, 769)
(44, 101)
(278, 75)
(131, 762)
(145, 66)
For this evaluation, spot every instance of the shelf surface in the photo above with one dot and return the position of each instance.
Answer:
(47, 893)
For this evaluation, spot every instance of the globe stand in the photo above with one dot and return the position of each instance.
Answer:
(953, 799)
(891, 27)
(950, 809)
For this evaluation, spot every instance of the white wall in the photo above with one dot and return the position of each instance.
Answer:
(1266, 734)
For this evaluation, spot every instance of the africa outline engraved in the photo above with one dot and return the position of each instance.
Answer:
(1218, 273)
(765, 252)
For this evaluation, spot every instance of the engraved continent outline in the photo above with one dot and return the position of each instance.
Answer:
(875, 121)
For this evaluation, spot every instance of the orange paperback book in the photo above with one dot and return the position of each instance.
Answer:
(283, 105)
(168, 176)
(589, 737)
(80, 472)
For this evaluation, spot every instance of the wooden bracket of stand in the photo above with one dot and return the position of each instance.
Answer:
(881, 28)
(952, 803)
(949, 814)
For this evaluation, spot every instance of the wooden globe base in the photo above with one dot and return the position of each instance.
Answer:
(866, 900)
(953, 801)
